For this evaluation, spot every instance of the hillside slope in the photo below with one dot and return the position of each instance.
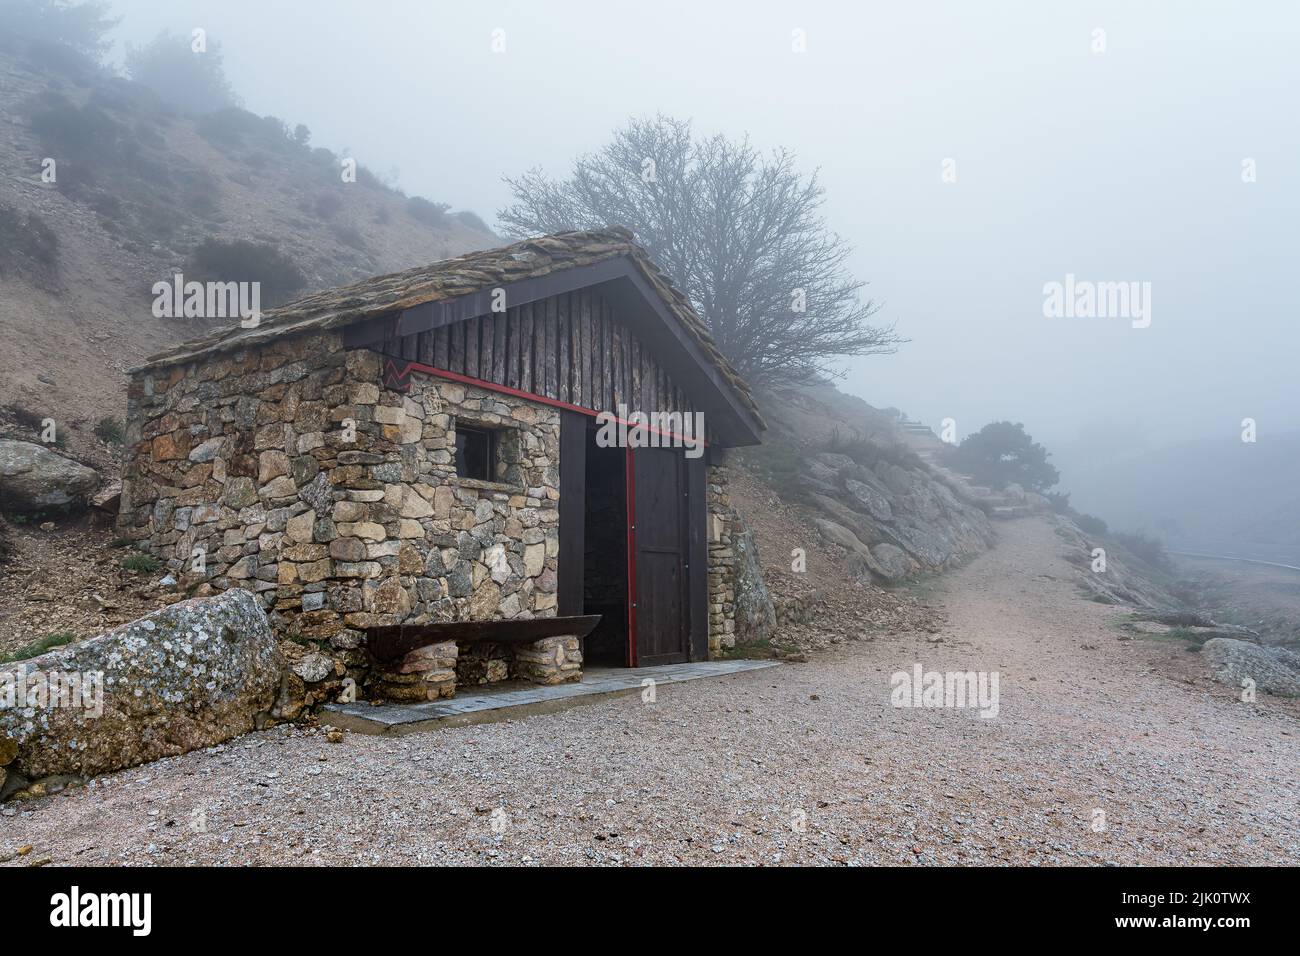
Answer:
(138, 188)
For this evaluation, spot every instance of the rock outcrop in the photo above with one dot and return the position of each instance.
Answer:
(754, 615)
(33, 478)
(191, 675)
(1274, 670)
(892, 520)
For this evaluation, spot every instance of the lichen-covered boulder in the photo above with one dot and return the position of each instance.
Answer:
(191, 675)
(1274, 670)
(33, 478)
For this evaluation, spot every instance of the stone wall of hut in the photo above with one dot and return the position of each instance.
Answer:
(291, 472)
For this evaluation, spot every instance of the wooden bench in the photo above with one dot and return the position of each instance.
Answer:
(394, 642)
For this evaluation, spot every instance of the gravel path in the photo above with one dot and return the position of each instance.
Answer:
(806, 763)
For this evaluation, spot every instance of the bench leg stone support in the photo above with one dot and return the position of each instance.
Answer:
(426, 673)
(552, 660)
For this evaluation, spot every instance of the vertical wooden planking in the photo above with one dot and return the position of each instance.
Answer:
(564, 390)
(456, 349)
(552, 327)
(485, 354)
(619, 395)
(512, 347)
(578, 388)
(600, 393)
(634, 374)
(526, 347)
(649, 373)
(584, 350)
(499, 347)
(539, 347)
(607, 355)
(441, 339)
(471, 347)
(627, 366)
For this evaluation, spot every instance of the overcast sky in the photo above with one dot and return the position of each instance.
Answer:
(1115, 166)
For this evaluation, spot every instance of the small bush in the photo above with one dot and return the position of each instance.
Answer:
(327, 205)
(244, 261)
(473, 220)
(429, 213)
(350, 235)
(1060, 501)
(199, 191)
(83, 27)
(37, 648)
(170, 68)
(24, 418)
(27, 244)
(110, 430)
(1149, 549)
(141, 563)
(1090, 525)
(234, 126)
(868, 453)
(84, 133)
(122, 543)
(371, 180)
(77, 66)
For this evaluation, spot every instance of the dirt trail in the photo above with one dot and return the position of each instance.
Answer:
(799, 764)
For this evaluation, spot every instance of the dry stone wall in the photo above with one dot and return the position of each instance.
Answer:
(290, 471)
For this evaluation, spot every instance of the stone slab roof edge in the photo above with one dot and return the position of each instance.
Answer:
(449, 278)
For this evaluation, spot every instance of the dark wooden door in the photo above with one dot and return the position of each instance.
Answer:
(661, 552)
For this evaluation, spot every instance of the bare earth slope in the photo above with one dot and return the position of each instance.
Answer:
(801, 763)
(131, 204)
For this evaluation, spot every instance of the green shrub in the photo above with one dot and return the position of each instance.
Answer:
(1003, 453)
(868, 453)
(473, 220)
(27, 245)
(1089, 524)
(350, 235)
(83, 27)
(141, 563)
(234, 126)
(39, 647)
(110, 430)
(86, 133)
(426, 212)
(1149, 549)
(168, 66)
(327, 205)
(244, 261)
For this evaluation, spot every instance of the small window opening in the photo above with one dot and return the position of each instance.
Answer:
(475, 453)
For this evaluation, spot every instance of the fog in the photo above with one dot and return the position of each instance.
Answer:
(1123, 165)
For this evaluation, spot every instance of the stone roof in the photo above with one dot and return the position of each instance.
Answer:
(450, 278)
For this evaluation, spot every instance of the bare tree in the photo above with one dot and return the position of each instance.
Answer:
(738, 232)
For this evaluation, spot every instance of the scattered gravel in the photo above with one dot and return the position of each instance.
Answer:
(801, 764)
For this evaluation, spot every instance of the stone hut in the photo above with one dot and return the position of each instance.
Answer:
(444, 475)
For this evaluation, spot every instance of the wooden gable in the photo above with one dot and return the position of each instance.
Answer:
(587, 337)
